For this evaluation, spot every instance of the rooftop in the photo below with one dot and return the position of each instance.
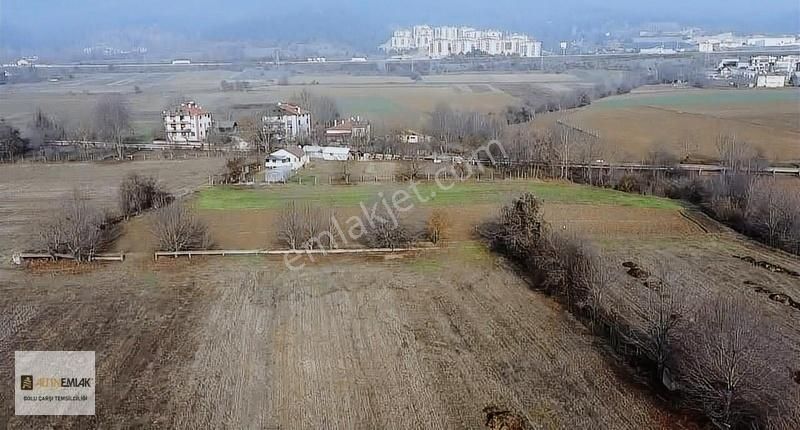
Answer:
(188, 108)
(280, 109)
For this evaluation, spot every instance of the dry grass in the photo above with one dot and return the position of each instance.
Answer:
(245, 343)
(767, 120)
(389, 101)
(28, 192)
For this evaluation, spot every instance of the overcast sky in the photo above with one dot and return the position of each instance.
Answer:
(66, 22)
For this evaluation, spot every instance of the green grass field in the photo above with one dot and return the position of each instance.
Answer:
(702, 97)
(428, 194)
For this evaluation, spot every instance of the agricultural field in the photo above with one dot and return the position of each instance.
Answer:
(388, 101)
(436, 339)
(409, 343)
(248, 218)
(689, 121)
(29, 192)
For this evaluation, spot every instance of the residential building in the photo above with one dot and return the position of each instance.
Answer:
(351, 131)
(285, 121)
(292, 158)
(226, 126)
(762, 63)
(772, 42)
(438, 42)
(771, 81)
(327, 153)
(187, 124)
(411, 136)
(787, 64)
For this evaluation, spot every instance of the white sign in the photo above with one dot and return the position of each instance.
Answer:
(54, 382)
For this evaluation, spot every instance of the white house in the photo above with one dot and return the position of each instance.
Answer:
(187, 124)
(293, 157)
(285, 121)
(411, 136)
(771, 81)
(327, 153)
(349, 131)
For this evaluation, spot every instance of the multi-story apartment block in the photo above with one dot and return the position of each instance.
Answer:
(437, 42)
(285, 121)
(187, 124)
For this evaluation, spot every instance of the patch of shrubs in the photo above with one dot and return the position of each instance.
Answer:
(138, 194)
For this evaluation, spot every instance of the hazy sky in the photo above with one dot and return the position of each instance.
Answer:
(70, 22)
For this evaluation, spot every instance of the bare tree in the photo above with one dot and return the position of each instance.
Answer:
(324, 110)
(44, 127)
(177, 229)
(113, 120)
(723, 369)
(772, 210)
(412, 169)
(252, 131)
(438, 224)
(662, 315)
(140, 193)
(11, 143)
(301, 226)
(78, 229)
(520, 227)
(386, 233)
(235, 169)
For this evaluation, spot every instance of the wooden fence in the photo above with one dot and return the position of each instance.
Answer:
(20, 258)
(240, 252)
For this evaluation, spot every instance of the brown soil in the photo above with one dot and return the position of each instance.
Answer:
(350, 343)
(30, 192)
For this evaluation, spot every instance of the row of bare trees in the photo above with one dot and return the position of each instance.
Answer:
(761, 207)
(463, 127)
(303, 225)
(110, 121)
(718, 358)
(12, 144)
(80, 229)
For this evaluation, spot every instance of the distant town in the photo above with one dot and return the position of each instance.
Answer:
(437, 42)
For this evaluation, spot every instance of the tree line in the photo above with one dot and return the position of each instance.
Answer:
(81, 229)
(715, 357)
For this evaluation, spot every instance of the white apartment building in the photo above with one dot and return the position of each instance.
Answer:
(187, 124)
(285, 121)
(437, 42)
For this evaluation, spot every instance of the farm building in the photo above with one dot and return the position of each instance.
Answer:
(293, 157)
(187, 124)
(328, 153)
(348, 131)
